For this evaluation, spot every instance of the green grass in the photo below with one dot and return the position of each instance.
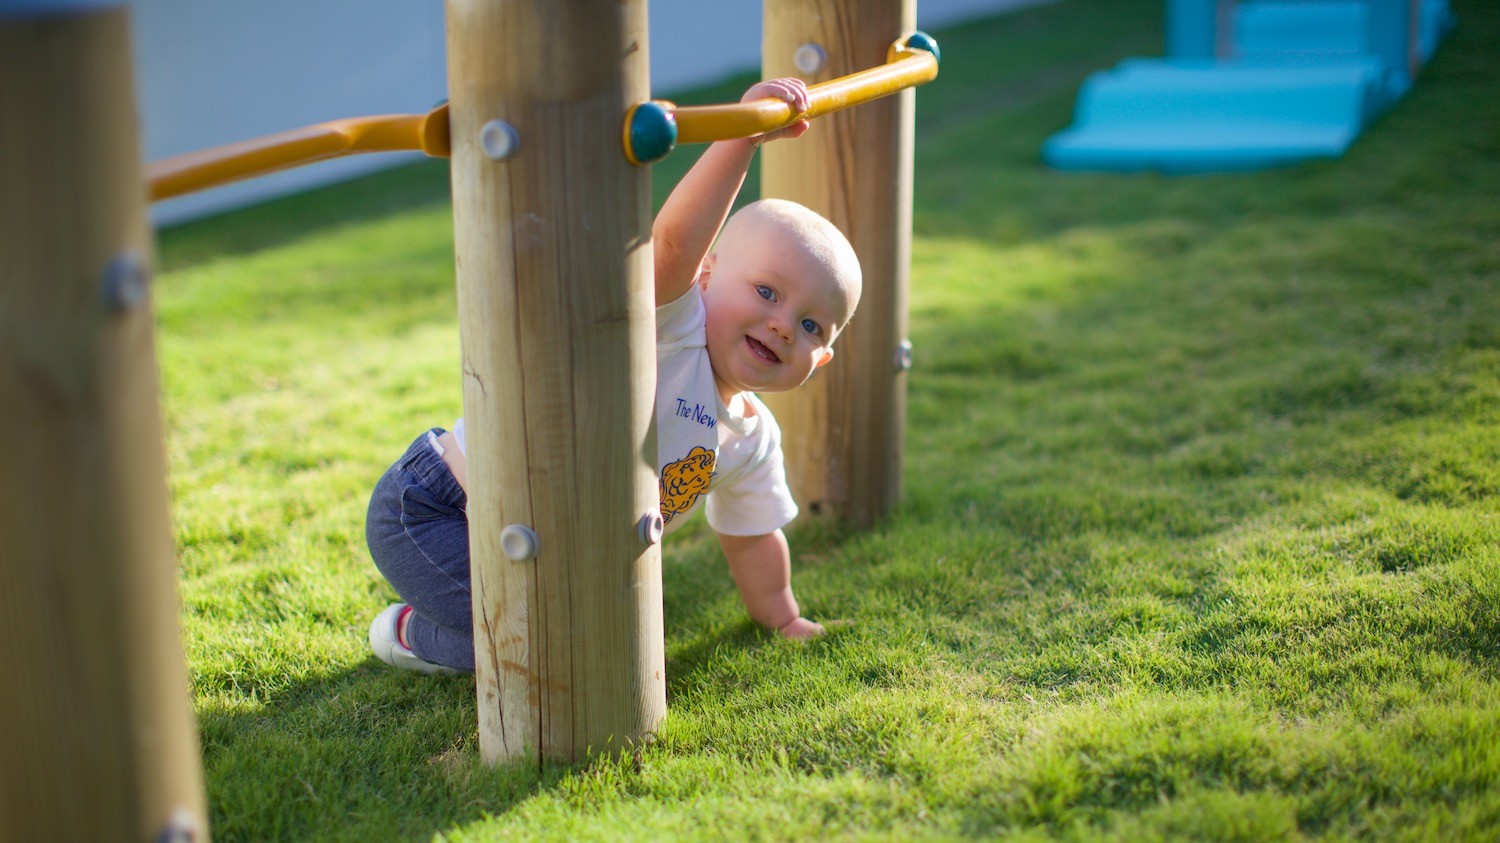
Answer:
(1199, 535)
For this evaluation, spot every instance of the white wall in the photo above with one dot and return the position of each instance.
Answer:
(211, 72)
(700, 41)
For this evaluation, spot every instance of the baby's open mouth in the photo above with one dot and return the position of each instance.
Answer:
(761, 350)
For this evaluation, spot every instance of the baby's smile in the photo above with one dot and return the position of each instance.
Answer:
(761, 350)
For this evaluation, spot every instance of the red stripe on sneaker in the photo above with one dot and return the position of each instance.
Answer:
(401, 626)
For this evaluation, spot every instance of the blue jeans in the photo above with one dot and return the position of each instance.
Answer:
(418, 532)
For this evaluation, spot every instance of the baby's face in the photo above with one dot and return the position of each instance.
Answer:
(774, 311)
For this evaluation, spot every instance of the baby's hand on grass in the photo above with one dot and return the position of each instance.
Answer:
(790, 90)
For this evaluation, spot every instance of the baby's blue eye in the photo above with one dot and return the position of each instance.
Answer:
(765, 292)
(811, 327)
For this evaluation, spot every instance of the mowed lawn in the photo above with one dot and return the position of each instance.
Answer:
(1199, 537)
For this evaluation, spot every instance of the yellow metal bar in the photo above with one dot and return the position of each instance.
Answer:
(223, 164)
(907, 68)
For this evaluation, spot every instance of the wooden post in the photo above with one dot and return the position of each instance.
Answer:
(96, 723)
(842, 431)
(552, 232)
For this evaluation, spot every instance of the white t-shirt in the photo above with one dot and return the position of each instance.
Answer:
(705, 450)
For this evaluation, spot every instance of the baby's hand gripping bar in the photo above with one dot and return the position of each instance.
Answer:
(652, 129)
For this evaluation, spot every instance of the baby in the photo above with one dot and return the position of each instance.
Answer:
(756, 311)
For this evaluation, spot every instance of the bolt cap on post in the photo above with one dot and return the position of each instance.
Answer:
(499, 139)
(519, 542)
(124, 282)
(810, 58)
(650, 527)
(650, 132)
(903, 356)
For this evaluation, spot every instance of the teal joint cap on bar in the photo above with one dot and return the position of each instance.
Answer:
(652, 133)
(920, 40)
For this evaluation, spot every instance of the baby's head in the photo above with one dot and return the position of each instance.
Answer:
(779, 286)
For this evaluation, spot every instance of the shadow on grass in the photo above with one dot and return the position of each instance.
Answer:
(368, 754)
(375, 753)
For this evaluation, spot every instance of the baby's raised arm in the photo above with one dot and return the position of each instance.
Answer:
(685, 229)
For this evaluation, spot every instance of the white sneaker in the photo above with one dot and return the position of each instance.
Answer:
(391, 651)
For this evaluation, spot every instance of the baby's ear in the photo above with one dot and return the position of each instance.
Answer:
(823, 360)
(705, 269)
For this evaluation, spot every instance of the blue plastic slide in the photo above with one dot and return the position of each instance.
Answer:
(1249, 85)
